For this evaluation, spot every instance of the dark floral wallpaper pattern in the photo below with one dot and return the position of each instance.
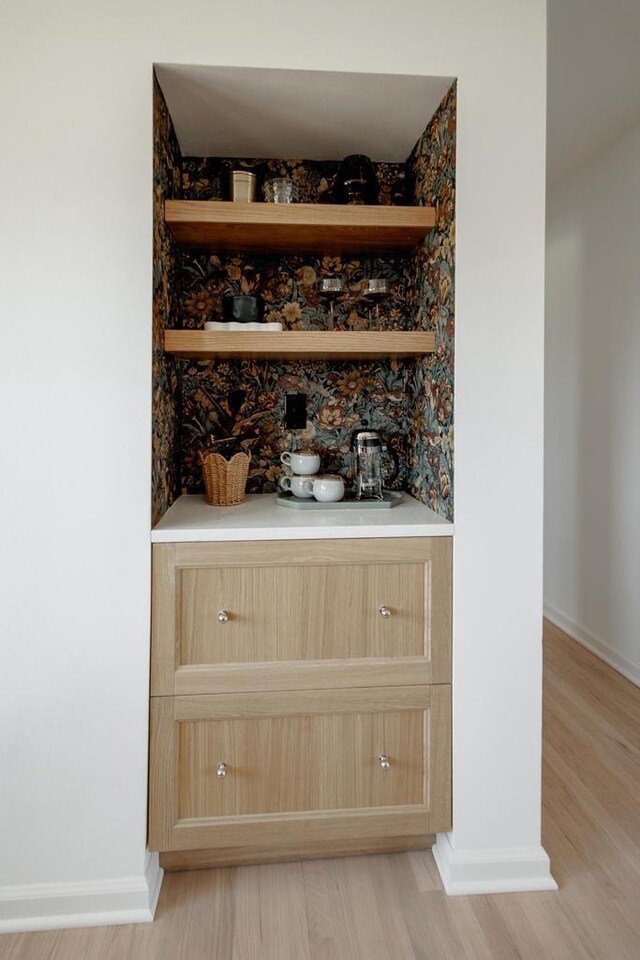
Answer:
(166, 416)
(411, 403)
(339, 395)
(431, 301)
(288, 284)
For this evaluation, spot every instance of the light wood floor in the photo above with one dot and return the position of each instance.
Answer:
(392, 907)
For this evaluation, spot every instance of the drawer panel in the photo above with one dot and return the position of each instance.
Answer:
(302, 613)
(290, 764)
(223, 610)
(309, 770)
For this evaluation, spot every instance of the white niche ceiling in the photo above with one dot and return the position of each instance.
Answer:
(310, 114)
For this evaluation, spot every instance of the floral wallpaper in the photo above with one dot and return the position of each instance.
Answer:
(431, 302)
(166, 285)
(410, 402)
(339, 395)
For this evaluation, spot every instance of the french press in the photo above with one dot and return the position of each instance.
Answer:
(367, 449)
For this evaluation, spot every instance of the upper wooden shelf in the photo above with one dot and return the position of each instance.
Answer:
(297, 227)
(300, 344)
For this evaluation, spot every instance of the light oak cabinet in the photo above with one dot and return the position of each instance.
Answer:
(300, 698)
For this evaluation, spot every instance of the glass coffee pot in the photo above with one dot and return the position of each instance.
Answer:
(368, 451)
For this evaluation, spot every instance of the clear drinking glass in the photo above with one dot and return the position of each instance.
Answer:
(281, 190)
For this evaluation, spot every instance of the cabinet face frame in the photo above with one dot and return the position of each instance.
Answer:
(168, 832)
(169, 677)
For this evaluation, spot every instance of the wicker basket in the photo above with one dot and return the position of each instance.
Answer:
(224, 480)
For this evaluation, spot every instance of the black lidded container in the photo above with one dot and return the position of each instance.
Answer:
(356, 181)
(243, 309)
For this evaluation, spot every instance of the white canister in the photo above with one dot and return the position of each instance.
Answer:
(304, 463)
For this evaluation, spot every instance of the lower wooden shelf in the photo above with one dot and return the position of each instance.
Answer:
(300, 344)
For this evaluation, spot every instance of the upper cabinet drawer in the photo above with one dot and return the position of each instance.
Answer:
(337, 613)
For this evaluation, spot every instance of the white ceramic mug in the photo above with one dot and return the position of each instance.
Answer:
(326, 489)
(304, 463)
(296, 486)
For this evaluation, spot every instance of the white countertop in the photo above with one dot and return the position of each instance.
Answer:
(260, 518)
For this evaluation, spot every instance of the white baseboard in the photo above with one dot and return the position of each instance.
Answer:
(629, 670)
(465, 872)
(94, 903)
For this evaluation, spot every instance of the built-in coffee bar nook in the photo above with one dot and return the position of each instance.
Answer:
(302, 475)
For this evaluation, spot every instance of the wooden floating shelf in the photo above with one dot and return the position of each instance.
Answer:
(297, 227)
(299, 344)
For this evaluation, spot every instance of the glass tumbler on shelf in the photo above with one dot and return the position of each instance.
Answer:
(281, 190)
(331, 289)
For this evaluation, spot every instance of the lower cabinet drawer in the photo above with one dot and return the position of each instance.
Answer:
(377, 758)
(289, 764)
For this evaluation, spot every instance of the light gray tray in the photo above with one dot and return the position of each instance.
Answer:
(391, 498)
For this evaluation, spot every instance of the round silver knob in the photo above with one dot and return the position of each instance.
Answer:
(223, 616)
(384, 761)
(221, 770)
(384, 612)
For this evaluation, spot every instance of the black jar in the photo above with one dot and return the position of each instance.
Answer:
(356, 181)
(243, 309)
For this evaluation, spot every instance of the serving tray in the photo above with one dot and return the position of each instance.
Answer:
(391, 498)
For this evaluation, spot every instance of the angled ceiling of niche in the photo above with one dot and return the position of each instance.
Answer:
(310, 114)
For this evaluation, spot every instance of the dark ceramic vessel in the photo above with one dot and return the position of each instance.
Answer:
(356, 181)
(243, 309)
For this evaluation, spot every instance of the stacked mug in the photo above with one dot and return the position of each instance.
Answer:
(305, 482)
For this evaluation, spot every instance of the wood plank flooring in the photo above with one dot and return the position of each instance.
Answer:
(391, 907)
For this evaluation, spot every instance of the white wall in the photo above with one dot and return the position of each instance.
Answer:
(75, 171)
(592, 447)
